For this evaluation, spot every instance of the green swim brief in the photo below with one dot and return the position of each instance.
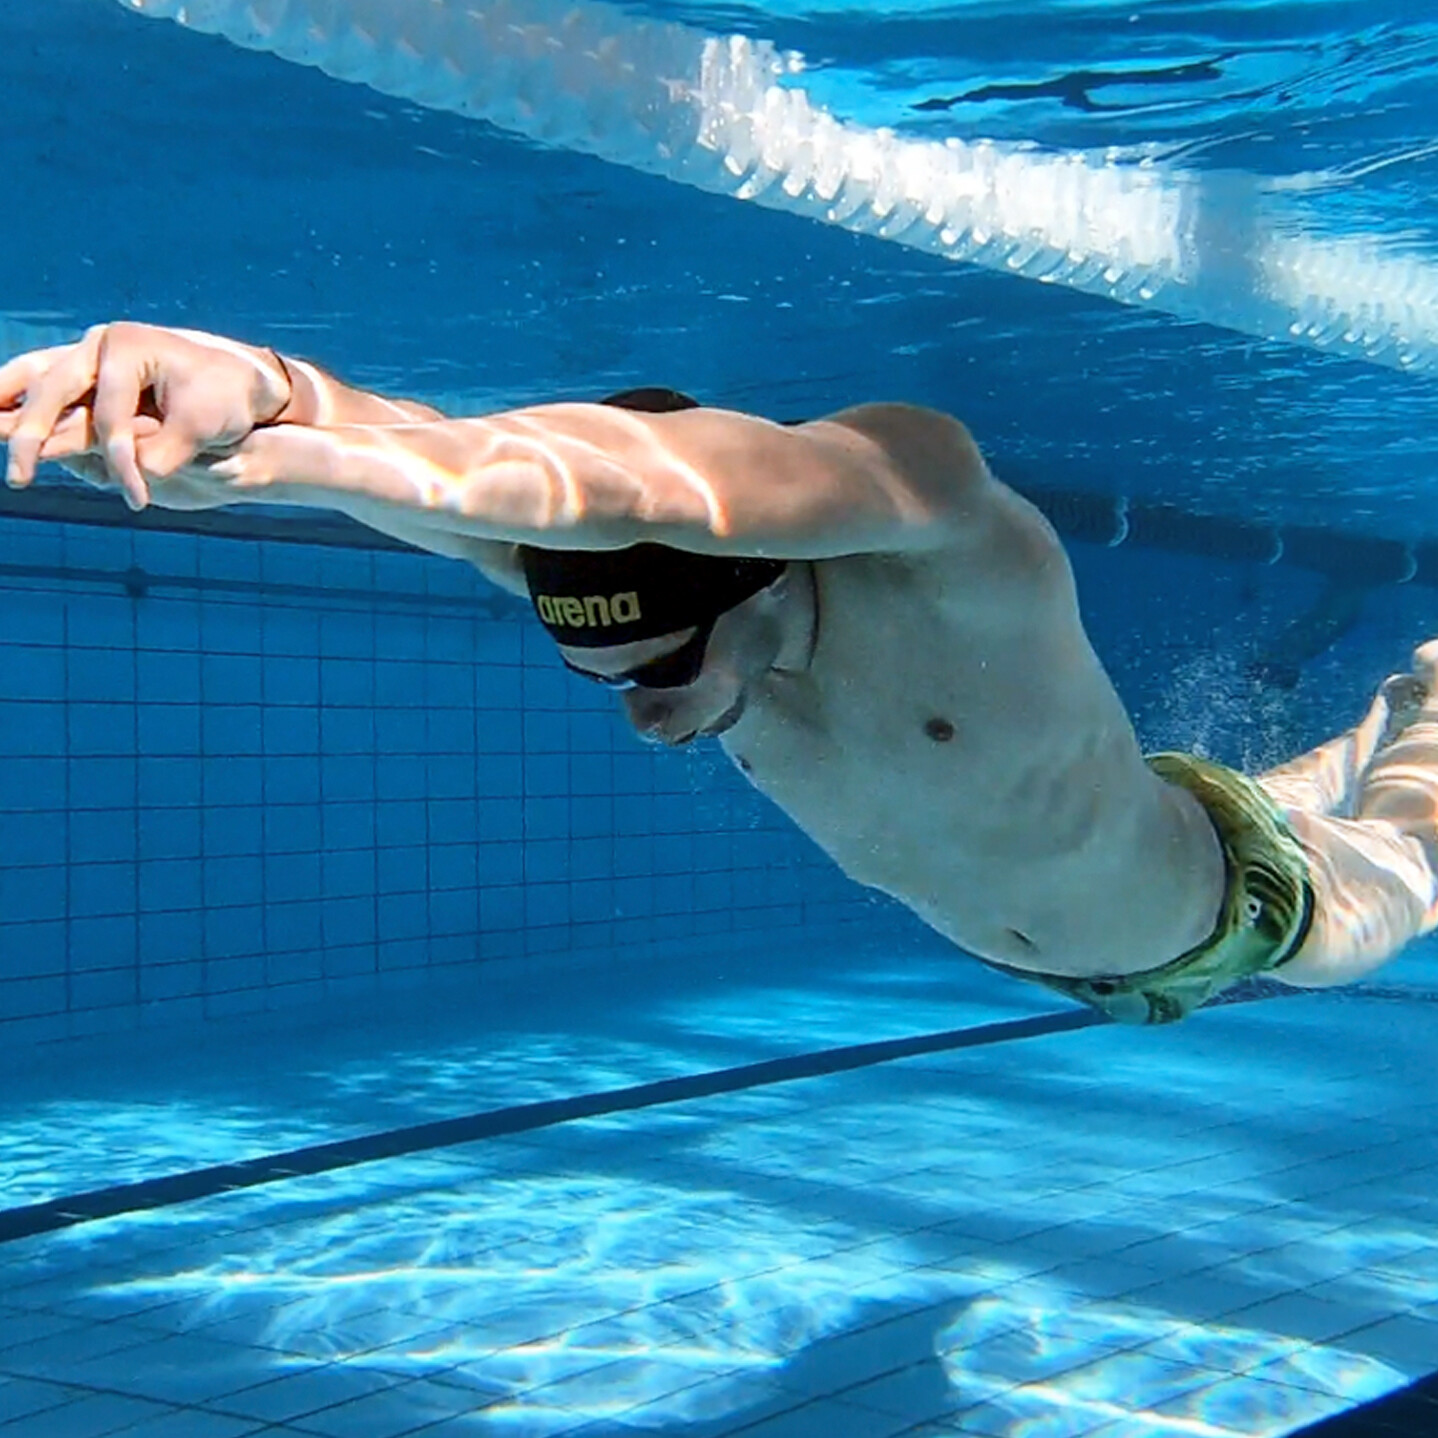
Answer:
(1266, 914)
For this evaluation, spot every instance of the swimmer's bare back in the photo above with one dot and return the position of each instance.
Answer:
(951, 740)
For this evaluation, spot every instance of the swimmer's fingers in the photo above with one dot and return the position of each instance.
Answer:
(74, 435)
(65, 383)
(123, 378)
(16, 377)
(73, 446)
(185, 429)
(145, 372)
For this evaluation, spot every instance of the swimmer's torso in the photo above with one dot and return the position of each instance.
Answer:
(955, 743)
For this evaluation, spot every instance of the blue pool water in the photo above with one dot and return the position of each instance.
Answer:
(390, 1044)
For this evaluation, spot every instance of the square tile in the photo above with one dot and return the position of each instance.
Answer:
(1367, 1298)
(252, 1321)
(734, 1400)
(919, 1393)
(25, 1397)
(147, 1311)
(1332, 1371)
(832, 1364)
(63, 1353)
(308, 1391)
(1298, 1315)
(1307, 1261)
(1196, 1298)
(182, 1369)
(193, 1423)
(1248, 1406)
(825, 1418)
(390, 1412)
(612, 1388)
(1106, 1275)
(97, 1416)
(1018, 1357)
(1032, 1412)
(1408, 1342)
(1133, 1382)
(517, 1423)
(352, 1336)
(18, 1328)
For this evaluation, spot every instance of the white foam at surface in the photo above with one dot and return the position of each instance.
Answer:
(726, 114)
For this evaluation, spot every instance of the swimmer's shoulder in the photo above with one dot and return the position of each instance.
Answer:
(932, 450)
(994, 530)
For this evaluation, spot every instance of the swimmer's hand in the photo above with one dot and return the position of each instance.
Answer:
(132, 404)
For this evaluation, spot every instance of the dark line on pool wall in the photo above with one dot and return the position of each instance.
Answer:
(61, 1213)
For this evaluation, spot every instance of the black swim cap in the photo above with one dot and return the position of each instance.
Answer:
(590, 598)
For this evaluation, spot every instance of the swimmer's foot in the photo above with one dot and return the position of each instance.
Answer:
(1401, 702)
(1327, 780)
(1425, 665)
(1410, 697)
(1404, 698)
(1398, 702)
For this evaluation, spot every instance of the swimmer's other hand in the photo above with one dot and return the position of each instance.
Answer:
(206, 393)
(244, 472)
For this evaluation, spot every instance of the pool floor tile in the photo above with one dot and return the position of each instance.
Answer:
(194, 1423)
(1408, 1342)
(19, 1328)
(390, 1412)
(22, 1398)
(63, 1353)
(825, 1418)
(1248, 1406)
(94, 1416)
(938, 1243)
(184, 1369)
(293, 1395)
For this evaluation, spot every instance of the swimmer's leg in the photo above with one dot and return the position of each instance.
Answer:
(1401, 785)
(1375, 876)
(1326, 780)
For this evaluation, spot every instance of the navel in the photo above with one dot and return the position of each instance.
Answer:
(939, 730)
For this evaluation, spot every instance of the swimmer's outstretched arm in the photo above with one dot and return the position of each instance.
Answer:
(878, 478)
(172, 415)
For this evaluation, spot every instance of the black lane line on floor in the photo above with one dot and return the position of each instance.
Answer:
(1411, 1412)
(60, 1213)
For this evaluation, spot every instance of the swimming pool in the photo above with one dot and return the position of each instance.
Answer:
(395, 1045)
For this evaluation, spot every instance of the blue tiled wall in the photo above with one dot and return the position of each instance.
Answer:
(272, 769)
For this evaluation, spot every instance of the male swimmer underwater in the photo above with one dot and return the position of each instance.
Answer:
(882, 636)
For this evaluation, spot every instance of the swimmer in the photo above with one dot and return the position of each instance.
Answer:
(883, 637)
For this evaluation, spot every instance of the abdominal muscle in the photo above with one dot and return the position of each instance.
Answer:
(970, 758)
